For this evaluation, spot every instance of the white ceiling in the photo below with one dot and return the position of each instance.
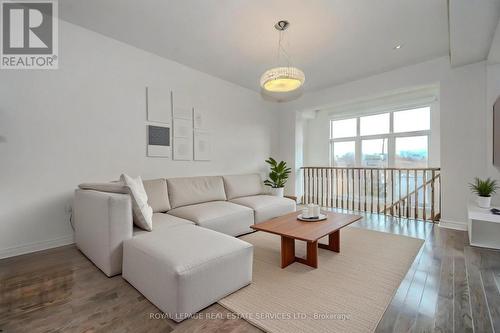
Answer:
(473, 25)
(494, 54)
(333, 41)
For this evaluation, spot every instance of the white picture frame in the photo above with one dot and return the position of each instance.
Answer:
(199, 119)
(183, 149)
(182, 112)
(202, 145)
(158, 105)
(183, 128)
(159, 141)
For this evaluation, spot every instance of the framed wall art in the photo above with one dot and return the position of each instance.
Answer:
(158, 141)
(202, 145)
(158, 105)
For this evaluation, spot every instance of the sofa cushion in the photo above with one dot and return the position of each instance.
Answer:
(142, 212)
(186, 268)
(220, 216)
(156, 189)
(162, 221)
(267, 206)
(242, 185)
(194, 190)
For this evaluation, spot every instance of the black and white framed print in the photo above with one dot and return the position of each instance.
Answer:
(159, 141)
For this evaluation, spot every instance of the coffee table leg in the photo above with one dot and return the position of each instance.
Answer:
(311, 258)
(287, 251)
(312, 254)
(333, 242)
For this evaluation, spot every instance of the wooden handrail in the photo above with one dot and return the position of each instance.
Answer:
(410, 194)
(369, 168)
(400, 192)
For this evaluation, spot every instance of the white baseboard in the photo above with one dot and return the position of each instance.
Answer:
(36, 246)
(452, 225)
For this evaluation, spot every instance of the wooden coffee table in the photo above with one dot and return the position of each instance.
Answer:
(290, 229)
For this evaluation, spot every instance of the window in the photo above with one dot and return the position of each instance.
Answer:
(374, 153)
(377, 124)
(411, 152)
(343, 128)
(391, 139)
(412, 120)
(345, 153)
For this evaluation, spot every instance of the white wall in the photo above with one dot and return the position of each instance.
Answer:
(493, 92)
(462, 121)
(463, 146)
(286, 129)
(86, 122)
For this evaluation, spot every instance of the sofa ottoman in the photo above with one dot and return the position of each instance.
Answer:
(186, 268)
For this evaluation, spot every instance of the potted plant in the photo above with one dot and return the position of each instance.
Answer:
(484, 189)
(277, 177)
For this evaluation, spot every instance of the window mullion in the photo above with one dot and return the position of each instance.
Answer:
(391, 143)
(331, 157)
(357, 145)
(428, 150)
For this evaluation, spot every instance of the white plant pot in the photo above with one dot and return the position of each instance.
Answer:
(484, 202)
(277, 192)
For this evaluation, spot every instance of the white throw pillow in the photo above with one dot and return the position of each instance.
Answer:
(142, 212)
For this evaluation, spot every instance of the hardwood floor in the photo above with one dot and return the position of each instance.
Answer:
(451, 287)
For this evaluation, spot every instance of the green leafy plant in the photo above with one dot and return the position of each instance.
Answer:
(278, 175)
(484, 188)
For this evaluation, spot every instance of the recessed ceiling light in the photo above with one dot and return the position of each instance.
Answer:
(397, 47)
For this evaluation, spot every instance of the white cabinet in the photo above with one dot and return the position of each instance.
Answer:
(484, 227)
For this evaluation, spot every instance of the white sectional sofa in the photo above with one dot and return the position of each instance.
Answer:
(189, 260)
(203, 201)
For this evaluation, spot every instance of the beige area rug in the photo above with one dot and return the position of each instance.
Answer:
(349, 291)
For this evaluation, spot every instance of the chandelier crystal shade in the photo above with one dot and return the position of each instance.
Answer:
(283, 78)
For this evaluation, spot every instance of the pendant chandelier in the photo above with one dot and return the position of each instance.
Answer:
(284, 78)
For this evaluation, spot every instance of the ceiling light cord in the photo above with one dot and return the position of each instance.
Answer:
(281, 49)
